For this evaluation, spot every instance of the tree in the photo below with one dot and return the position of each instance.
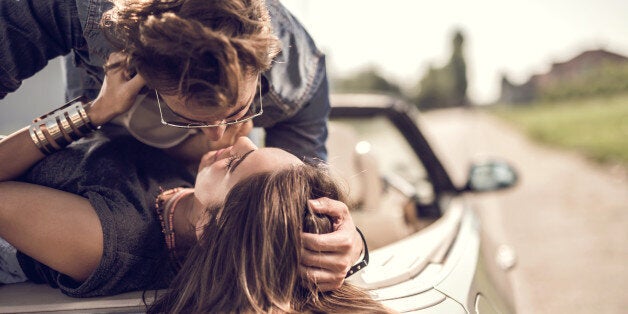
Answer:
(458, 68)
(367, 80)
(446, 86)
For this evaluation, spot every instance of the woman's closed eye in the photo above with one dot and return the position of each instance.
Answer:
(237, 160)
(232, 159)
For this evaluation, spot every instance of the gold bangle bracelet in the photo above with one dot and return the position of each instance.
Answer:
(68, 132)
(43, 140)
(58, 128)
(35, 139)
(57, 139)
(77, 123)
(85, 117)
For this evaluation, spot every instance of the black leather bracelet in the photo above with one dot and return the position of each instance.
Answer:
(365, 260)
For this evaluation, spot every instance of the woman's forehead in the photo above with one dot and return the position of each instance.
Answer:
(270, 158)
(280, 154)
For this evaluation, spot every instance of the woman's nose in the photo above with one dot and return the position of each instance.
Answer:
(214, 133)
(243, 144)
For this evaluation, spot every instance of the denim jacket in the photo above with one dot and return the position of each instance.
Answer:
(296, 105)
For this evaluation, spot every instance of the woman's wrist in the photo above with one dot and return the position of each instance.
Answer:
(57, 129)
(99, 113)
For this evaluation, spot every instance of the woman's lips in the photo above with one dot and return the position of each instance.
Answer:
(218, 152)
(212, 156)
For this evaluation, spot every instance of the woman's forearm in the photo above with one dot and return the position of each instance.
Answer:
(17, 154)
(21, 150)
(48, 133)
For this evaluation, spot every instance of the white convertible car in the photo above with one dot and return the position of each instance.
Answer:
(428, 253)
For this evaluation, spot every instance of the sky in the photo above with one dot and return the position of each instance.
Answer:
(402, 38)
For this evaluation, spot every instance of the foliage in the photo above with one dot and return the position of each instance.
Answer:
(447, 86)
(367, 80)
(607, 79)
(597, 127)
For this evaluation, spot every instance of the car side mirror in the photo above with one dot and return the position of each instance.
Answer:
(490, 176)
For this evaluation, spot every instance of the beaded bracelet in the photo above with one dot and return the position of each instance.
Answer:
(60, 127)
(365, 260)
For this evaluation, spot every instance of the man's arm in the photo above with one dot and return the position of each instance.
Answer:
(33, 32)
(305, 133)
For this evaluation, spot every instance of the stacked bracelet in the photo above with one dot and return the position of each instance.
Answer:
(58, 128)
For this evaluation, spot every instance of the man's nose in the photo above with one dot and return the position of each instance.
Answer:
(215, 133)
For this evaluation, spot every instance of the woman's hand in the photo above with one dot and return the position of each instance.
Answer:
(117, 94)
(326, 258)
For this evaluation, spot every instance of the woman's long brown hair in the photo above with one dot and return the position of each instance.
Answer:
(248, 257)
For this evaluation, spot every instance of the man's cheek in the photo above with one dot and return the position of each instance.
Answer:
(246, 128)
(240, 129)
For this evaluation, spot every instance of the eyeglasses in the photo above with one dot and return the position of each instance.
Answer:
(171, 118)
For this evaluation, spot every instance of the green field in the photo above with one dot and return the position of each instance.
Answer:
(596, 127)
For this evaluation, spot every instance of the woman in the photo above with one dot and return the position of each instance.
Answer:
(259, 196)
(247, 256)
(85, 219)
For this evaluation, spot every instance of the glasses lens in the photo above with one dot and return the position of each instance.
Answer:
(168, 117)
(253, 111)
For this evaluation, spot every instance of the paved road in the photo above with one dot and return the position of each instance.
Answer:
(567, 219)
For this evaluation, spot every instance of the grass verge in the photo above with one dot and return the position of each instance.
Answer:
(596, 127)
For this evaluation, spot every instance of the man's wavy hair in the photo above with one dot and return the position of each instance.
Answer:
(247, 260)
(201, 50)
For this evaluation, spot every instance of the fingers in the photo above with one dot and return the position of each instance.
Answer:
(116, 57)
(117, 74)
(324, 280)
(335, 209)
(118, 91)
(326, 258)
(337, 241)
(332, 262)
(342, 239)
(113, 62)
(135, 84)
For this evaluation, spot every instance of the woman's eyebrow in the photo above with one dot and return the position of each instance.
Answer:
(239, 161)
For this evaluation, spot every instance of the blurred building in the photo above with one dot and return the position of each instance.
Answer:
(567, 71)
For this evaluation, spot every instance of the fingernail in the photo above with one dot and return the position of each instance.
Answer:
(315, 203)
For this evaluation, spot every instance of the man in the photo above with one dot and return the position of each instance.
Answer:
(202, 75)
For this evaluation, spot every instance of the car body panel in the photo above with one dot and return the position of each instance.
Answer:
(451, 257)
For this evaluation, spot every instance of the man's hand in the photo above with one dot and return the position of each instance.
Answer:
(326, 258)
